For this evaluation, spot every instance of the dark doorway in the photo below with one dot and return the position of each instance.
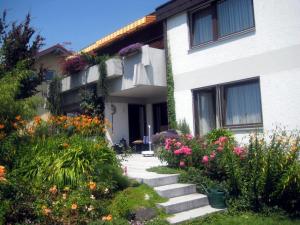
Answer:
(160, 117)
(137, 122)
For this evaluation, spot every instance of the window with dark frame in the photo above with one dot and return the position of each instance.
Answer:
(236, 105)
(220, 19)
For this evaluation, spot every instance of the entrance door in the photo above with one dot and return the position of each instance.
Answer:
(160, 117)
(137, 122)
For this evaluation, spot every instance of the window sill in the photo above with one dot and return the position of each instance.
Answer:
(246, 128)
(230, 37)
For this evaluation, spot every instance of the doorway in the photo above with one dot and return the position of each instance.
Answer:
(137, 122)
(160, 117)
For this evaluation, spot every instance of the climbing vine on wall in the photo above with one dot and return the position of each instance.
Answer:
(102, 81)
(170, 95)
(54, 97)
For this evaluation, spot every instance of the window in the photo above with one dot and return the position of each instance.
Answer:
(220, 19)
(49, 75)
(233, 105)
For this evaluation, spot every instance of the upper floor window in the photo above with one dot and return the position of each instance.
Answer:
(220, 19)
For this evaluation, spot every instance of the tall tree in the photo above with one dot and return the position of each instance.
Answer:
(19, 42)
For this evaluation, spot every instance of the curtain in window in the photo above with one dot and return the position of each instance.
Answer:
(234, 16)
(243, 104)
(206, 110)
(202, 27)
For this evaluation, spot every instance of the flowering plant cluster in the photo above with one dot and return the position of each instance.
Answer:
(74, 64)
(82, 124)
(177, 150)
(130, 49)
(69, 205)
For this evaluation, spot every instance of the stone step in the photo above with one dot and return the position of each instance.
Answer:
(175, 190)
(161, 180)
(191, 214)
(184, 203)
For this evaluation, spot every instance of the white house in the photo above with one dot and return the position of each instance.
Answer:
(137, 89)
(236, 63)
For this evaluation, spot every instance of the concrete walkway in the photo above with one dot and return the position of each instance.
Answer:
(184, 202)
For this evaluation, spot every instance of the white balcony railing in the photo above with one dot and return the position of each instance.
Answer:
(146, 67)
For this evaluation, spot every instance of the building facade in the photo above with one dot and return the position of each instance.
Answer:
(235, 63)
(136, 82)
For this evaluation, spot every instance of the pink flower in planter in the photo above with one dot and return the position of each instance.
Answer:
(182, 164)
(189, 136)
(178, 144)
(205, 159)
(177, 152)
(212, 155)
(238, 150)
(220, 148)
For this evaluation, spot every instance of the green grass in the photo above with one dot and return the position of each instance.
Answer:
(240, 219)
(244, 219)
(132, 198)
(165, 170)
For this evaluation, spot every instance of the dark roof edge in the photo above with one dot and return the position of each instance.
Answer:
(174, 7)
(50, 49)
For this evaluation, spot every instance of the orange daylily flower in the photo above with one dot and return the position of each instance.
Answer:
(53, 190)
(46, 210)
(92, 185)
(65, 145)
(2, 171)
(18, 117)
(2, 126)
(107, 218)
(74, 206)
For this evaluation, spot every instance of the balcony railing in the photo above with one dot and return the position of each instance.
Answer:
(146, 67)
(80, 79)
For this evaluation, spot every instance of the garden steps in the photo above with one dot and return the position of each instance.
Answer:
(175, 190)
(192, 214)
(184, 203)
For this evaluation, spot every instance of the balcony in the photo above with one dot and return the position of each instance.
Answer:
(80, 79)
(141, 70)
(134, 75)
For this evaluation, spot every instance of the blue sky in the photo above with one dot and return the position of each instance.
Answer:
(80, 22)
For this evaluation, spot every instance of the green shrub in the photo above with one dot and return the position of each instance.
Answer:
(215, 134)
(67, 161)
(132, 198)
(183, 127)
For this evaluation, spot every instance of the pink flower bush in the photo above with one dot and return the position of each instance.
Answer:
(212, 155)
(177, 152)
(178, 144)
(238, 151)
(205, 159)
(220, 148)
(189, 136)
(186, 150)
(182, 164)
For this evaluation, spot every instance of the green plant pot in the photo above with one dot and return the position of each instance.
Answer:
(216, 198)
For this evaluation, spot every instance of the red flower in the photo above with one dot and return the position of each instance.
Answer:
(205, 159)
(182, 164)
(212, 155)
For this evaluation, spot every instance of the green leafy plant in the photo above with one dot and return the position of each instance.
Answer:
(54, 97)
(170, 95)
(183, 127)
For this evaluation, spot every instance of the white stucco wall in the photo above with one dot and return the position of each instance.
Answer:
(271, 52)
(120, 120)
(119, 123)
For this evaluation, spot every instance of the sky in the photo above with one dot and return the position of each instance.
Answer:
(80, 22)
